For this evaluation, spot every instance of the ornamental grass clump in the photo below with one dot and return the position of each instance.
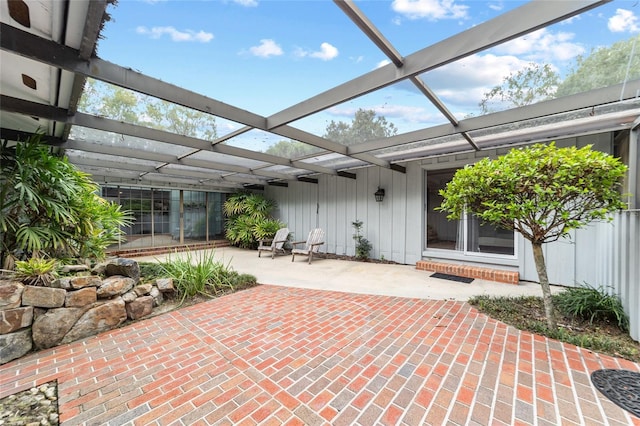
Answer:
(592, 304)
(198, 274)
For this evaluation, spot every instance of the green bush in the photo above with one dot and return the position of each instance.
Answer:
(49, 208)
(591, 304)
(248, 219)
(36, 271)
(363, 246)
(199, 274)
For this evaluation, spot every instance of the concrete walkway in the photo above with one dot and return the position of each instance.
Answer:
(355, 277)
(324, 355)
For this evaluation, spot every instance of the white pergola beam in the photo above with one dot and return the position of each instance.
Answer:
(508, 26)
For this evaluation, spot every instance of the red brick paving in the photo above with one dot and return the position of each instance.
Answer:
(275, 355)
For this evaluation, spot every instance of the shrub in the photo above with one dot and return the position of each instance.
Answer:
(36, 271)
(248, 219)
(48, 207)
(363, 246)
(199, 274)
(592, 304)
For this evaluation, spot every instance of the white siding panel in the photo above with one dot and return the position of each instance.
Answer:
(385, 222)
(414, 230)
(398, 221)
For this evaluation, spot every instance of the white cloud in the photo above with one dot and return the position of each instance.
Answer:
(496, 6)
(623, 21)
(187, 35)
(327, 52)
(464, 83)
(246, 3)
(382, 63)
(357, 59)
(266, 49)
(543, 45)
(430, 9)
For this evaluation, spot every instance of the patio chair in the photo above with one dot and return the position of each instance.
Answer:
(312, 245)
(275, 244)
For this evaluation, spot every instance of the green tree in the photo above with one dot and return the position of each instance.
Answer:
(531, 84)
(364, 127)
(49, 208)
(292, 149)
(604, 67)
(542, 192)
(181, 120)
(125, 105)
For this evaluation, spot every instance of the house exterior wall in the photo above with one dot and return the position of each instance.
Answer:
(396, 226)
(602, 254)
(393, 226)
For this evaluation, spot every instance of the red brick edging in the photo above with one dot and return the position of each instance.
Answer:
(508, 277)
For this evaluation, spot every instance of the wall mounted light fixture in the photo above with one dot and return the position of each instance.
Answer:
(379, 194)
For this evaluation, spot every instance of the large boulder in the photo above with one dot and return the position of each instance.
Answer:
(115, 286)
(43, 297)
(83, 297)
(49, 328)
(10, 294)
(85, 281)
(15, 345)
(119, 266)
(102, 317)
(15, 319)
(141, 307)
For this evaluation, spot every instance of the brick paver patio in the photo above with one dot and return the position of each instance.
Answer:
(274, 355)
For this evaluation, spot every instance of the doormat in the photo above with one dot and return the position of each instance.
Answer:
(622, 387)
(451, 277)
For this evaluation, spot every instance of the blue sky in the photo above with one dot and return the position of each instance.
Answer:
(264, 55)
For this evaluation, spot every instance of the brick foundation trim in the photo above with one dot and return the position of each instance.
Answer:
(150, 251)
(508, 277)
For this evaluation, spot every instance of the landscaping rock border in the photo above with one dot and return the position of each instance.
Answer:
(74, 307)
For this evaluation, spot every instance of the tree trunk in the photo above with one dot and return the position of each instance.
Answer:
(541, 268)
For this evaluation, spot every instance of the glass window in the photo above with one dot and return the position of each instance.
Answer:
(467, 235)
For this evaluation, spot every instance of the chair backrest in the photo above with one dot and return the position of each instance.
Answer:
(280, 238)
(316, 236)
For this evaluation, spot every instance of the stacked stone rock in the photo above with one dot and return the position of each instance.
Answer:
(74, 307)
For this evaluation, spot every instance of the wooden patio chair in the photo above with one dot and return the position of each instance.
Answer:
(312, 245)
(275, 244)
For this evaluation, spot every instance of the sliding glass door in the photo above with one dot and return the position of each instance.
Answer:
(468, 235)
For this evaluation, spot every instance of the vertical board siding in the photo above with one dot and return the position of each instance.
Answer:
(340, 201)
(622, 269)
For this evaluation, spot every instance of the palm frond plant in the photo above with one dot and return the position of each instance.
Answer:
(49, 206)
(248, 219)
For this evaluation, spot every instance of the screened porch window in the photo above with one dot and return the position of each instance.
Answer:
(466, 235)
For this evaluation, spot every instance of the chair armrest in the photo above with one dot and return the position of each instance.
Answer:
(266, 240)
(298, 242)
(316, 244)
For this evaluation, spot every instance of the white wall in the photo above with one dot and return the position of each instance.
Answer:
(393, 226)
(396, 226)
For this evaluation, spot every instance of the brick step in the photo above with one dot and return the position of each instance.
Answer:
(150, 251)
(498, 275)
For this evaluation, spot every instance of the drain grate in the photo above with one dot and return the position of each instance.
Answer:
(452, 277)
(622, 387)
